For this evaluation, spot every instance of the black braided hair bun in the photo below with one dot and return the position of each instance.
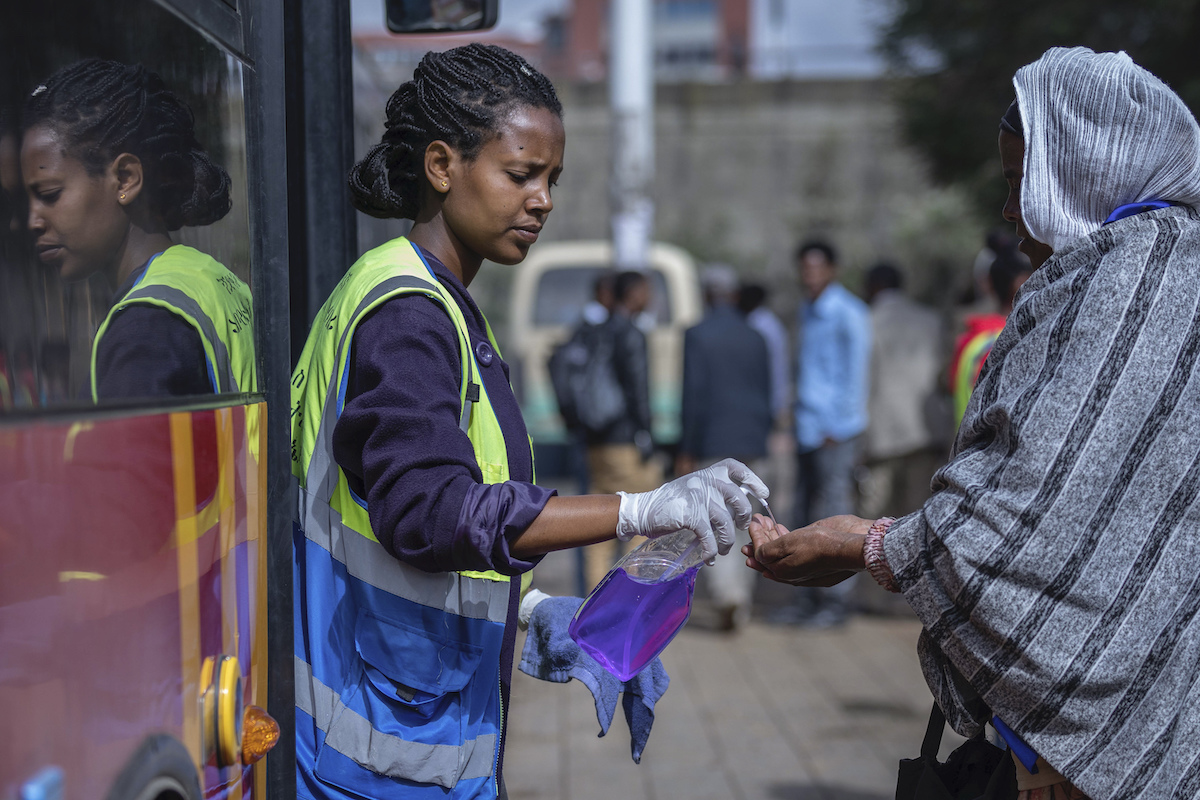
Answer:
(459, 96)
(105, 108)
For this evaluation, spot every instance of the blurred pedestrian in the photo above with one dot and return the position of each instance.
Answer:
(752, 302)
(980, 296)
(833, 362)
(575, 368)
(1008, 273)
(906, 360)
(900, 452)
(620, 457)
(726, 412)
(597, 310)
(779, 467)
(578, 365)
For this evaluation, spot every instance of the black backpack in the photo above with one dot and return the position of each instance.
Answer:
(585, 383)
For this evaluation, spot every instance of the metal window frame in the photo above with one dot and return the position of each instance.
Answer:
(265, 83)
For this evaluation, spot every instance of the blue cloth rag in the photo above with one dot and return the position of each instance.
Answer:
(550, 654)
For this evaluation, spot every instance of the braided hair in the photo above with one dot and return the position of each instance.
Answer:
(105, 108)
(460, 97)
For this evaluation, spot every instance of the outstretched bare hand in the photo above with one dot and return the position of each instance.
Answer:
(822, 554)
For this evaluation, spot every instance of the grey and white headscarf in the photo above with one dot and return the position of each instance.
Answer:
(1100, 132)
(1056, 567)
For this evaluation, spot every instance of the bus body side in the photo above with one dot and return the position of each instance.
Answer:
(131, 551)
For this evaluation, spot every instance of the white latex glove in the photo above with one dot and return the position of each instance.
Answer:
(528, 604)
(709, 502)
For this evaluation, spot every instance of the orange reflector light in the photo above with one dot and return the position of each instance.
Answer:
(260, 732)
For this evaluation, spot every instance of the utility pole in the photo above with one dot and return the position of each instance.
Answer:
(631, 98)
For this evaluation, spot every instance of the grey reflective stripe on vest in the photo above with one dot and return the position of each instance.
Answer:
(378, 291)
(188, 305)
(367, 560)
(351, 734)
(464, 418)
(464, 421)
(321, 475)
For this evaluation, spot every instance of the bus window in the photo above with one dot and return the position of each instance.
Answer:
(124, 249)
(563, 292)
(133, 439)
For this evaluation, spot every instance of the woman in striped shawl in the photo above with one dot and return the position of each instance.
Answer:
(1055, 567)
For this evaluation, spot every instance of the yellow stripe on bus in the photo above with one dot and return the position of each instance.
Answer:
(256, 535)
(184, 470)
(226, 487)
(225, 500)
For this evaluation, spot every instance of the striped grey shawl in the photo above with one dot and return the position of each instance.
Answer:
(1056, 569)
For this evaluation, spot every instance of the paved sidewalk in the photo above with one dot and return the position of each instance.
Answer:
(769, 712)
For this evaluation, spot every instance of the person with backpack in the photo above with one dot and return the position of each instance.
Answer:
(619, 444)
(589, 398)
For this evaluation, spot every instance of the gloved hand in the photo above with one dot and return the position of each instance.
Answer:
(709, 502)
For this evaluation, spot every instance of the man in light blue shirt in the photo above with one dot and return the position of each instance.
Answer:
(834, 355)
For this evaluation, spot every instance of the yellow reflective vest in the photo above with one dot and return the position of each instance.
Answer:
(397, 670)
(212, 300)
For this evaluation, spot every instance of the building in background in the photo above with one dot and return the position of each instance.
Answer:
(720, 40)
(815, 39)
(694, 40)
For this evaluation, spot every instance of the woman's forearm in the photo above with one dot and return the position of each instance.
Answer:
(568, 522)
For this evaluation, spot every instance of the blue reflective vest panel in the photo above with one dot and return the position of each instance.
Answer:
(411, 690)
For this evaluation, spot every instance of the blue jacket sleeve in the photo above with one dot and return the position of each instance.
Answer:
(399, 442)
(855, 337)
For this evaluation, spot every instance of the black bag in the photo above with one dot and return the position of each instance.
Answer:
(585, 382)
(977, 770)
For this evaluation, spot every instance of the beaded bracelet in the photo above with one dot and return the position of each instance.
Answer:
(874, 556)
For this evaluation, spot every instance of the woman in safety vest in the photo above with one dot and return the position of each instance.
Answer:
(112, 166)
(417, 502)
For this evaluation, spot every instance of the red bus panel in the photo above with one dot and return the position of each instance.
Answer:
(131, 550)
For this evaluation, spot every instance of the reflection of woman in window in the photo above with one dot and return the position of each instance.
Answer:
(111, 165)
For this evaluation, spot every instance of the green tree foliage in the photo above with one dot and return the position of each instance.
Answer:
(957, 59)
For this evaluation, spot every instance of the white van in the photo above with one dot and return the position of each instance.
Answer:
(550, 289)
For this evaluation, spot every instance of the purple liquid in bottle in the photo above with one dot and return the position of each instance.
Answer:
(624, 623)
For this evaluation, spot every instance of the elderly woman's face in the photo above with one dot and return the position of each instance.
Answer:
(1012, 161)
